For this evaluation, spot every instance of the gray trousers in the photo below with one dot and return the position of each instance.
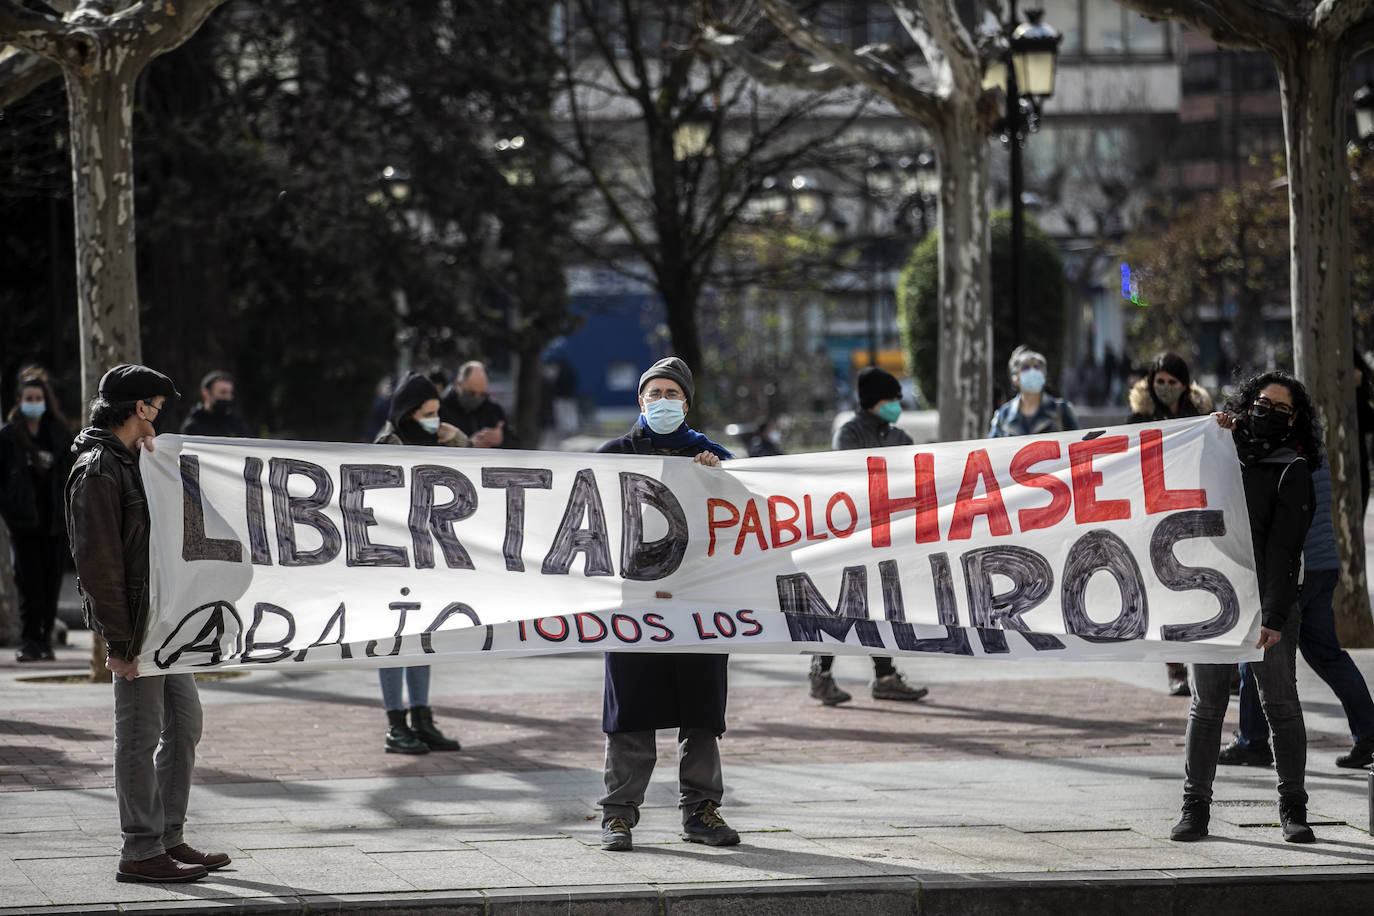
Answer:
(157, 723)
(1276, 677)
(630, 759)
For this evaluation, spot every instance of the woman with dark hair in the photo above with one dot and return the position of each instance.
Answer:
(35, 456)
(1278, 443)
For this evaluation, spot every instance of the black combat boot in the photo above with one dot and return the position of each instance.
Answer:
(422, 724)
(399, 738)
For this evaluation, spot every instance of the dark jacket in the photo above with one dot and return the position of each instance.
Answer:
(1146, 408)
(390, 435)
(868, 430)
(484, 416)
(1054, 415)
(652, 690)
(1280, 497)
(202, 422)
(1319, 549)
(31, 486)
(108, 524)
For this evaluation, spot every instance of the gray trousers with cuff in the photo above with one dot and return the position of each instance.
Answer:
(157, 724)
(630, 759)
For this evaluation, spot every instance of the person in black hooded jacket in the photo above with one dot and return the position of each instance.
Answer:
(1278, 445)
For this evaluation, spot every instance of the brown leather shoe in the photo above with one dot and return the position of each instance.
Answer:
(192, 856)
(162, 869)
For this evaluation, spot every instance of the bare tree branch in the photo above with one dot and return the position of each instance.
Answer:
(21, 73)
(1333, 18)
(164, 24)
(791, 71)
(37, 33)
(1199, 15)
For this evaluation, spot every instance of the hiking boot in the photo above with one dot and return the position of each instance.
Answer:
(422, 724)
(892, 687)
(824, 688)
(705, 825)
(159, 869)
(1293, 819)
(188, 854)
(615, 835)
(1360, 756)
(1192, 826)
(399, 738)
(1240, 754)
(1178, 679)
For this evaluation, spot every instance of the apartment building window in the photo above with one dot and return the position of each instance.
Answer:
(1111, 29)
(1064, 16)
(1200, 73)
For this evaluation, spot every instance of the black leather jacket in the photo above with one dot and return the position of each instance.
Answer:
(108, 526)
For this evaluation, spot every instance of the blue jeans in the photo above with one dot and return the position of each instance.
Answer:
(1323, 653)
(157, 723)
(416, 679)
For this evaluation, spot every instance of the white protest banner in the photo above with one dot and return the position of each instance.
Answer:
(1128, 543)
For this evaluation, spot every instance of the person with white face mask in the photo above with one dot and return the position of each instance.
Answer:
(1031, 411)
(414, 420)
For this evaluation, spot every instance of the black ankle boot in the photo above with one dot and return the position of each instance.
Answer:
(1192, 825)
(1293, 820)
(399, 738)
(422, 724)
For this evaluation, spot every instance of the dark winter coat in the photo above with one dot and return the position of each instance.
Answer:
(202, 422)
(23, 474)
(485, 416)
(1146, 408)
(108, 526)
(868, 430)
(1280, 497)
(650, 690)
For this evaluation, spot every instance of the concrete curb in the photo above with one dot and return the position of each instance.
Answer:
(1216, 892)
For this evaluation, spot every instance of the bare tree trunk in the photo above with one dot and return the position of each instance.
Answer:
(529, 395)
(1312, 80)
(965, 391)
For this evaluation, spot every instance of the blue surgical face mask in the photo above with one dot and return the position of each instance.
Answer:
(663, 415)
(428, 424)
(33, 409)
(890, 411)
(1032, 381)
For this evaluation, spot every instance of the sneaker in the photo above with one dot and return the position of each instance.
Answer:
(615, 835)
(1240, 754)
(824, 688)
(705, 825)
(892, 687)
(1192, 826)
(1293, 820)
(1360, 756)
(1178, 680)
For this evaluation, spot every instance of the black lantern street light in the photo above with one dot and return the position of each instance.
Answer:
(1364, 113)
(1026, 74)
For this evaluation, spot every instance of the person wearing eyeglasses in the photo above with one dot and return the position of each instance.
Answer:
(1278, 443)
(648, 691)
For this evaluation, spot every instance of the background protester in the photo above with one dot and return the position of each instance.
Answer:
(1277, 441)
(764, 442)
(1032, 410)
(216, 414)
(1321, 649)
(468, 406)
(1168, 392)
(35, 456)
(414, 420)
(874, 425)
(648, 691)
(157, 720)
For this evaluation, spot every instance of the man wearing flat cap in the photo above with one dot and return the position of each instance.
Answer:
(646, 692)
(157, 718)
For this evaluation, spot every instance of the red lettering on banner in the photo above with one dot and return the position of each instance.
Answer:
(616, 620)
(881, 507)
(752, 524)
(696, 618)
(562, 634)
(1061, 500)
(830, 515)
(712, 524)
(725, 624)
(747, 617)
(777, 525)
(655, 621)
(966, 508)
(1087, 508)
(1158, 497)
(811, 534)
(582, 633)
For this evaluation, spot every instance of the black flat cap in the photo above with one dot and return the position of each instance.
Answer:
(135, 383)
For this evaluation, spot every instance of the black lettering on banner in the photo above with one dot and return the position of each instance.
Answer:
(257, 517)
(955, 641)
(429, 520)
(617, 619)
(655, 621)
(250, 641)
(515, 481)
(324, 640)
(747, 616)
(214, 624)
(194, 543)
(1101, 551)
(457, 607)
(354, 482)
(725, 624)
(993, 614)
(582, 635)
(641, 561)
(809, 614)
(562, 634)
(1198, 523)
(585, 500)
(291, 511)
(370, 650)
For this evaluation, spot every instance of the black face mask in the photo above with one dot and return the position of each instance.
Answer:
(222, 407)
(1265, 423)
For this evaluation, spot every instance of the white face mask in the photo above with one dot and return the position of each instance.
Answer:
(1032, 381)
(663, 415)
(428, 424)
